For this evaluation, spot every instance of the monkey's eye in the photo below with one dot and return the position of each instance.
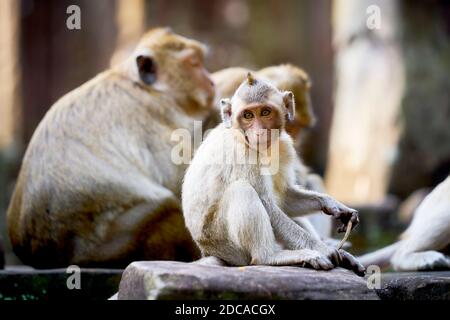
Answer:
(265, 112)
(248, 115)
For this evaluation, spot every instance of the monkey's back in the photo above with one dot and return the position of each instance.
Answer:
(84, 165)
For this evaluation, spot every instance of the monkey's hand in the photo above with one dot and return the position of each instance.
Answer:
(331, 253)
(349, 262)
(315, 260)
(340, 212)
(341, 258)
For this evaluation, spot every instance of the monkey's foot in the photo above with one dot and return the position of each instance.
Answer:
(210, 261)
(427, 260)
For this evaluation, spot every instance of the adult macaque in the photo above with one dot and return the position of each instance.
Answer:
(285, 77)
(236, 210)
(425, 245)
(97, 185)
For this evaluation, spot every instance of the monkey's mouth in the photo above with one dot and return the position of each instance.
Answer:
(259, 143)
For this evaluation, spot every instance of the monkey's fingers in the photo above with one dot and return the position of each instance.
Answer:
(325, 264)
(355, 219)
(350, 262)
(347, 218)
(335, 257)
(319, 263)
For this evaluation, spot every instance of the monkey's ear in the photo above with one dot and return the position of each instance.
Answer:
(146, 68)
(289, 102)
(225, 111)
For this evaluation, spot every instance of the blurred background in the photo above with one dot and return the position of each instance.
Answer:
(380, 74)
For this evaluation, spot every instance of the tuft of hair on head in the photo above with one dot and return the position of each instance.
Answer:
(250, 79)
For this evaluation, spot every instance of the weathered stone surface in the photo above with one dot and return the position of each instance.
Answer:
(24, 283)
(415, 286)
(177, 280)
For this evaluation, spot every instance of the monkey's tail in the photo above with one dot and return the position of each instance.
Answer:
(381, 257)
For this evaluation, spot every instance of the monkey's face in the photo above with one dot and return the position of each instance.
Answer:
(258, 110)
(175, 64)
(198, 83)
(259, 124)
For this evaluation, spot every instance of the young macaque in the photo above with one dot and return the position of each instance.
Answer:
(285, 77)
(240, 192)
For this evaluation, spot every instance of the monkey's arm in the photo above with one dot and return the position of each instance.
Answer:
(299, 201)
(295, 238)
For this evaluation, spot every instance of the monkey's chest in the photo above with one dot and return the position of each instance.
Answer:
(272, 185)
(279, 186)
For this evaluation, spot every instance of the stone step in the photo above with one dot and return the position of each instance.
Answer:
(177, 280)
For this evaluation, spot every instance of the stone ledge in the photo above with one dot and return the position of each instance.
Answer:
(177, 280)
(428, 285)
(24, 283)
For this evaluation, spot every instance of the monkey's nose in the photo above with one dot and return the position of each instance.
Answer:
(260, 132)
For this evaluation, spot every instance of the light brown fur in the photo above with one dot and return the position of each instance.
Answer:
(97, 185)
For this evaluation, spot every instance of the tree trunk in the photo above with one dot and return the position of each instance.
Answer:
(10, 118)
(370, 81)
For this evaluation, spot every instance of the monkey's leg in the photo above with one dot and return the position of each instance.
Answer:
(307, 225)
(419, 250)
(250, 230)
(153, 229)
(210, 261)
(425, 260)
(295, 237)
